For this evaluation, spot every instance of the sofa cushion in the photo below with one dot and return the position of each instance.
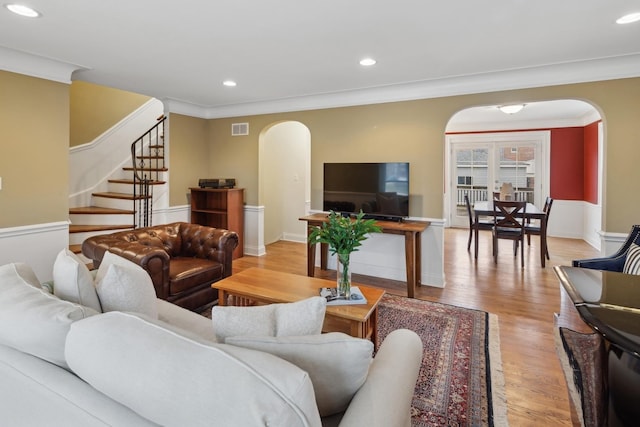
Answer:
(73, 282)
(337, 363)
(189, 272)
(38, 393)
(173, 380)
(298, 318)
(34, 321)
(632, 262)
(125, 286)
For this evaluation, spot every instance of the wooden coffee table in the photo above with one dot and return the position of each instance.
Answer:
(256, 286)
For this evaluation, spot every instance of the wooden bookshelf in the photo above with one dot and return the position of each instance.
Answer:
(220, 208)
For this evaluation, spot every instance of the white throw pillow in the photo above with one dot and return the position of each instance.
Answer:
(27, 274)
(144, 366)
(337, 363)
(34, 321)
(73, 282)
(632, 262)
(127, 289)
(298, 318)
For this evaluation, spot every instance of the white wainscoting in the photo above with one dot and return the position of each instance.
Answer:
(575, 219)
(592, 224)
(611, 242)
(36, 245)
(381, 256)
(172, 214)
(254, 230)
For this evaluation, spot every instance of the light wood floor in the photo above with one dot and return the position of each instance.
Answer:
(525, 301)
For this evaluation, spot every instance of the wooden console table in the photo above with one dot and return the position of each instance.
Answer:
(411, 230)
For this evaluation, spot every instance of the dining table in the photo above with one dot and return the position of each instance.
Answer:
(485, 208)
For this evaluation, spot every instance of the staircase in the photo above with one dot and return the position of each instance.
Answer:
(128, 201)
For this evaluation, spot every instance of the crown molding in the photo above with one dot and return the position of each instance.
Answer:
(36, 66)
(548, 75)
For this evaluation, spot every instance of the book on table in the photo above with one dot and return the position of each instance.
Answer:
(331, 295)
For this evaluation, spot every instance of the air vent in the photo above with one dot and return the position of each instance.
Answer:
(239, 129)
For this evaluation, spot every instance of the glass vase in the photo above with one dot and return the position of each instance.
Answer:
(343, 276)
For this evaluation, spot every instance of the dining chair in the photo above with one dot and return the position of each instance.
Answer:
(536, 230)
(481, 225)
(509, 223)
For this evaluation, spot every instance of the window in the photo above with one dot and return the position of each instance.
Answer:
(464, 180)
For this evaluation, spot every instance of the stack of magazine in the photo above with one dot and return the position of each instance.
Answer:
(331, 294)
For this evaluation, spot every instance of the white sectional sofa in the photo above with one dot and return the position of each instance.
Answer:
(66, 364)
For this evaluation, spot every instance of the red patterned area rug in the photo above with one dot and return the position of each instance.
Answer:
(461, 381)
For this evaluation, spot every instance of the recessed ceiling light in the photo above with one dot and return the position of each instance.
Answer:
(229, 83)
(22, 10)
(627, 19)
(367, 62)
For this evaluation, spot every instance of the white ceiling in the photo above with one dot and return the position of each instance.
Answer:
(292, 54)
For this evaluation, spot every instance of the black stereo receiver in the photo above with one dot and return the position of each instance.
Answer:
(217, 183)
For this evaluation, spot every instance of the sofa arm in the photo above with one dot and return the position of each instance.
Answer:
(215, 244)
(385, 397)
(608, 264)
(153, 259)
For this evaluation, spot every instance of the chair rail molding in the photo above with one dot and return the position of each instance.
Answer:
(611, 242)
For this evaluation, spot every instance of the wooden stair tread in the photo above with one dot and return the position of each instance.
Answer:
(95, 210)
(130, 168)
(79, 228)
(76, 249)
(123, 196)
(130, 181)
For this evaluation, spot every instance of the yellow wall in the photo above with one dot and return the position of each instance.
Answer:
(34, 118)
(34, 142)
(95, 109)
(188, 155)
(414, 131)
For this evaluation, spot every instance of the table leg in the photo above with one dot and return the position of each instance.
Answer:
(543, 241)
(374, 327)
(475, 237)
(410, 254)
(222, 298)
(324, 255)
(418, 264)
(311, 255)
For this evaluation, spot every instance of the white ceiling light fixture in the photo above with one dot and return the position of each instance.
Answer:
(628, 19)
(229, 83)
(511, 109)
(367, 62)
(22, 10)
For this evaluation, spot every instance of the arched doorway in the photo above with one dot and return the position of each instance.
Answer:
(485, 146)
(285, 180)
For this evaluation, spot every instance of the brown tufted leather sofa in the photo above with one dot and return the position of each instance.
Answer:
(182, 259)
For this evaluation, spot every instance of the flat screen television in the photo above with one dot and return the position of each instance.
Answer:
(380, 190)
